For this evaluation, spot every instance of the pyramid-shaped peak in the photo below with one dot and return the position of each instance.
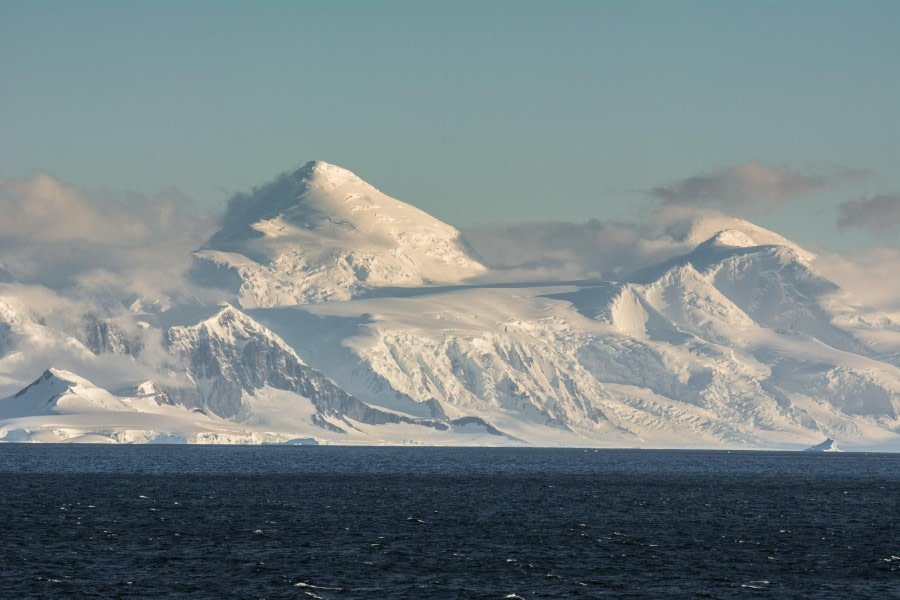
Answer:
(58, 391)
(227, 324)
(729, 238)
(229, 321)
(67, 377)
(55, 381)
(58, 374)
(225, 315)
(321, 233)
(319, 172)
(228, 311)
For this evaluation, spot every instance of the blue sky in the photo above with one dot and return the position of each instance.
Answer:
(473, 111)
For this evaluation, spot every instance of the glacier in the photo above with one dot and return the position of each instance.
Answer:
(345, 316)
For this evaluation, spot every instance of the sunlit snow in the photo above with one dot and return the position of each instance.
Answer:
(348, 317)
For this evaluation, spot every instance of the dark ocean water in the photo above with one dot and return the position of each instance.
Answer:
(300, 522)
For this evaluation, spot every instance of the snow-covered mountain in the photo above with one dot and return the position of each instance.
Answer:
(345, 336)
(322, 233)
(734, 343)
(59, 392)
(231, 360)
(60, 406)
(774, 285)
(230, 380)
(26, 342)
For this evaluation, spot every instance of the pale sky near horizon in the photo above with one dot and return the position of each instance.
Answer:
(473, 111)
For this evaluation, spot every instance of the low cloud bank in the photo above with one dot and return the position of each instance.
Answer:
(870, 273)
(600, 249)
(101, 244)
(96, 251)
(608, 250)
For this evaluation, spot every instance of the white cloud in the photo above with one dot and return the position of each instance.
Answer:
(42, 209)
(869, 273)
(107, 245)
(49, 329)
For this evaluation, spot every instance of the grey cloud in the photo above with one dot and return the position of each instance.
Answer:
(749, 187)
(610, 250)
(552, 249)
(879, 214)
(557, 251)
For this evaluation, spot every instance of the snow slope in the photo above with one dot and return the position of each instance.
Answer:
(61, 406)
(242, 371)
(322, 233)
(734, 345)
(365, 320)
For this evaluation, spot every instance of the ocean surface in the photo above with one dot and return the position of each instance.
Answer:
(332, 522)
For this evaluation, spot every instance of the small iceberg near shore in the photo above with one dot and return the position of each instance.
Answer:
(828, 445)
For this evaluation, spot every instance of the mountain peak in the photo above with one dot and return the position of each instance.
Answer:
(62, 375)
(729, 238)
(731, 244)
(227, 310)
(727, 233)
(230, 324)
(60, 380)
(226, 316)
(323, 233)
(321, 173)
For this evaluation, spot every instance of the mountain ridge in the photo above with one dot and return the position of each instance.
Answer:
(352, 317)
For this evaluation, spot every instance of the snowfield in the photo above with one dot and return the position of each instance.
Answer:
(357, 319)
